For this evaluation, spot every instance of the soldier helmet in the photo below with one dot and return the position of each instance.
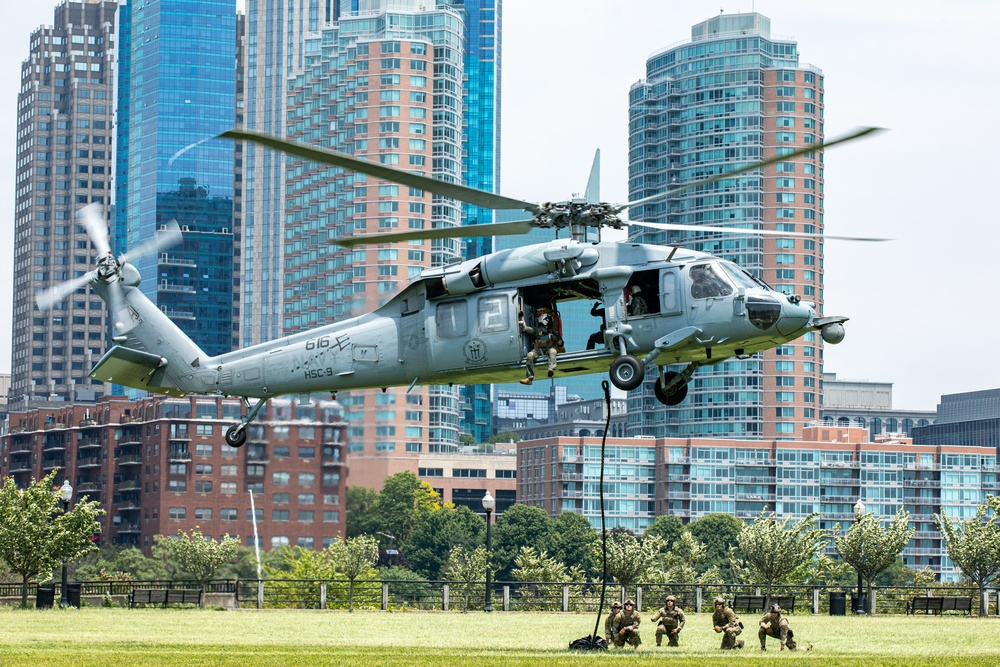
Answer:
(616, 605)
(545, 318)
(636, 289)
(671, 598)
(775, 609)
(629, 603)
(720, 600)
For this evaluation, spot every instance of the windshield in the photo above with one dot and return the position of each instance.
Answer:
(741, 277)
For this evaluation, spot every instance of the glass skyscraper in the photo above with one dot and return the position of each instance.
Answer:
(481, 158)
(732, 96)
(176, 88)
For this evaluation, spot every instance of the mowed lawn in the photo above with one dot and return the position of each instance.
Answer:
(73, 638)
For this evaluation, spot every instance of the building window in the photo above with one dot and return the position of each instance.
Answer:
(279, 515)
(331, 516)
(203, 486)
(178, 513)
(280, 478)
(306, 516)
(228, 488)
(177, 486)
(203, 513)
(430, 472)
(228, 513)
(279, 541)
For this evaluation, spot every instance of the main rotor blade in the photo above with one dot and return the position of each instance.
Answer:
(749, 232)
(757, 165)
(164, 238)
(53, 295)
(468, 231)
(92, 218)
(438, 187)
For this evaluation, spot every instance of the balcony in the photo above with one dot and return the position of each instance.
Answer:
(127, 528)
(747, 479)
(840, 481)
(755, 496)
(571, 476)
(332, 461)
(838, 464)
(571, 494)
(680, 478)
(59, 446)
(128, 484)
(88, 487)
(87, 443)
(20, 466)
(180, 456)
(129, 460)
(922, 483)
(88, 462)
(20, 448)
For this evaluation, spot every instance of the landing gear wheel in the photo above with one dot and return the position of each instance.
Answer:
(626, 372)
(236, 436)
(674, 397)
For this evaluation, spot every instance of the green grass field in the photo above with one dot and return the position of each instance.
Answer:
(434, 639)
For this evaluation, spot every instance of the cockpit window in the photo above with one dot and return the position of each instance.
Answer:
(739, 276)
(706, 282)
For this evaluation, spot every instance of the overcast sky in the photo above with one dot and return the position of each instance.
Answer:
(922, 307)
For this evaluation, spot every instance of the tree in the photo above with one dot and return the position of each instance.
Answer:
(36, 536)
(974, 546)
(629, 561)
(354, 558)
(718, 532)
(427, 548)
(544, 576)
(468, 568)
(113, 559)
(198, 557)
(359, 510)
(667, 528)
(403, 502)
(869, 547)
(569, 540)
(774, 550)
(518, 526)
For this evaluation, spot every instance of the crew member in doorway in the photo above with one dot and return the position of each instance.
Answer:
(545, 341)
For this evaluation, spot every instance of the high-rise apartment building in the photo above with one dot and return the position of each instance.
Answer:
(383, 83)
(64, 161)
(177, 88)
(732, 96)
(826, 472)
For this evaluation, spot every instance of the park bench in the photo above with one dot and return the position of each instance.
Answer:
(164, 596)
(750, 603)
(937, 604)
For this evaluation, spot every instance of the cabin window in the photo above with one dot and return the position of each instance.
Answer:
(452, 319)
(493, 316)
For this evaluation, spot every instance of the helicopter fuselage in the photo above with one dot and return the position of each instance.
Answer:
(459, 324)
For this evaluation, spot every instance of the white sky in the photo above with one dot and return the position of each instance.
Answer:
(925, 69)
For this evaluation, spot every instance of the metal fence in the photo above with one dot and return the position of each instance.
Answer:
(509, 596)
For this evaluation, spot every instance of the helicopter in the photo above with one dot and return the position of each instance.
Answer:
(463, 323)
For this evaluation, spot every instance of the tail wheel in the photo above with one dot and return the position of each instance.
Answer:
(626, 372)
(678, 394)
(236, 436)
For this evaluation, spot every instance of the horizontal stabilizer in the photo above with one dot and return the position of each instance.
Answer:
(128, 367)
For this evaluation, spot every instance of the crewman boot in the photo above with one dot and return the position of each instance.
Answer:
(526, 381)
(739, 643)
(551, 373)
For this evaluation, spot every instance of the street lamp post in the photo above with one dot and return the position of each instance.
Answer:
(488, 504)
(66, 493)
(859, 603)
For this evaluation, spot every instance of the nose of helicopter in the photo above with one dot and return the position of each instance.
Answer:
(795, 316)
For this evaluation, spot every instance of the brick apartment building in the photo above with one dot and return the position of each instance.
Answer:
(160, 465)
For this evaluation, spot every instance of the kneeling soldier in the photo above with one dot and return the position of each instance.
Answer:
(775, 625)
(627, 626)
(671, 621)
(724, 620)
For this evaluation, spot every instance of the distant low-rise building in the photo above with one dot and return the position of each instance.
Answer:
(867, 404)
(160, 465)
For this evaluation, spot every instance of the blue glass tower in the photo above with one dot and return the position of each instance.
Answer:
(481, 161)
(177, 87)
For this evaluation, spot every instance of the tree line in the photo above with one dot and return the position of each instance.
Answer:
(436, 541)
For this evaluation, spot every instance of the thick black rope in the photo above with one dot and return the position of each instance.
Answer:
(604, 533)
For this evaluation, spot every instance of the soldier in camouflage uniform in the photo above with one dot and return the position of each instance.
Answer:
(609, 623)
(775, 625)
(671, 621)
(626, 626)
(724, 620)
